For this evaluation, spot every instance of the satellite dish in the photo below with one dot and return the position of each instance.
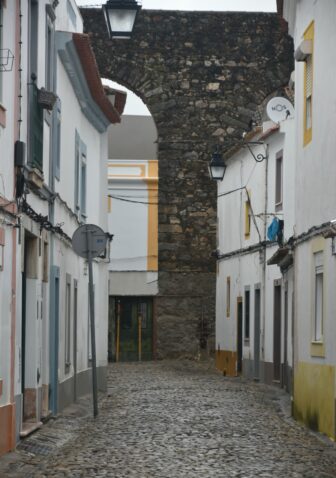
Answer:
(279, 109)
(89, 238)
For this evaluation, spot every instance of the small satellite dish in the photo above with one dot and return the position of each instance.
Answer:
(279, 109)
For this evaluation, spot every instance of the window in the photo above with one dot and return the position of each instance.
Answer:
(318, 306)
(228, 296)
(247, 219)
(67, 323)
(308, 89)
(35, 158)
(83, 187)
(71, 13)
(247, 315)
(49, 55)
(80, 178)
(45, 277)
(33, 37)
(278, 181)
(36, 131)
(58, 140)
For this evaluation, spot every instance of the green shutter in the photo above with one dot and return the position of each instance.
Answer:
(36, 132)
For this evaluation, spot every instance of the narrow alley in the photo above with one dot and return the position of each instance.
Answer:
(178, 419)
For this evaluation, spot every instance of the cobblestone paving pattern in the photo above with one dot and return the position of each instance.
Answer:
(175, 419)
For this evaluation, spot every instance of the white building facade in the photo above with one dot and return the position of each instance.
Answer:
(54, 117)
(311, 24)
(253, 326)
(297, 277)
(133, 221)
(9, 264)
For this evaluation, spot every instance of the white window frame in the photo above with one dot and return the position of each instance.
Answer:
(278, 181)
(318, 309)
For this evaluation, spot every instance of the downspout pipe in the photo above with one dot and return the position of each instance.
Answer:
(264, 262)
(53, 322)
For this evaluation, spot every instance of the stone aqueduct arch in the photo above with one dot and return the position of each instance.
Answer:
(202, 76)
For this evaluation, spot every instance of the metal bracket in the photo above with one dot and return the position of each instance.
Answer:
(259, 157)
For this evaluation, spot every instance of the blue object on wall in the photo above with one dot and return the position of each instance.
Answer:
(273, 229)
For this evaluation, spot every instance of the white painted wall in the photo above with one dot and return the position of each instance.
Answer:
(315, 165)
(247, 270)
(315, 191)
(128, 221)
(7, 97)
(74, 120)
(64, 21)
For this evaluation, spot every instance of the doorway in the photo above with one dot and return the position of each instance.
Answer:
(257, 333)
(31, 328)
(75, 313)
(277, 332)
(285, 375)
(131, 329)
(239, 335)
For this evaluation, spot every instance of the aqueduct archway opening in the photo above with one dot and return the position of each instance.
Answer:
(202, 75)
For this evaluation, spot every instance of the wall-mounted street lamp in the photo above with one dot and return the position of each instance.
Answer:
(217, 167)
(120, 16)
(259, 157)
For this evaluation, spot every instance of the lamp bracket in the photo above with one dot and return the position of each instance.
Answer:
(259, 157)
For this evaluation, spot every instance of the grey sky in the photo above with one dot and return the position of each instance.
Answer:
(134, 105)
(220, 5)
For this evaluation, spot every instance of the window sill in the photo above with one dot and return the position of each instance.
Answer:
(2, 116)
(278, 207)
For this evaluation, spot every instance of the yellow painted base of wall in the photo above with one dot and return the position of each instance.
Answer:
(226, 361)
(314, 397)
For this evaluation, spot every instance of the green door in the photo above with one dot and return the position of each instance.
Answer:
(133, 329)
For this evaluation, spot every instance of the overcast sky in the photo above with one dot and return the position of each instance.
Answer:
(134, 105)
(221, 5)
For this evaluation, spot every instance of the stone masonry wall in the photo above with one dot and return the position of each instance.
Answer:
(202, 75)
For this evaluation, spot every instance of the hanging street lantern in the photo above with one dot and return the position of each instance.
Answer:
(217, 167)
(120, 16)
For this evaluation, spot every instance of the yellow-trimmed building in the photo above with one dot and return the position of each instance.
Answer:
(312, 25)
(133, 221)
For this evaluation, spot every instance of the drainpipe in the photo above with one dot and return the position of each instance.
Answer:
(53, 334)
(16, 136)
(263, 280)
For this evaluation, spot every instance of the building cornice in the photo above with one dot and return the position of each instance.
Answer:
(78, 60)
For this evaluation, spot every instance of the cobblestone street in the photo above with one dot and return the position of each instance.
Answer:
(176, 419)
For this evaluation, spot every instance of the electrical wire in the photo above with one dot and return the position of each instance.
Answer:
(132, 201)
